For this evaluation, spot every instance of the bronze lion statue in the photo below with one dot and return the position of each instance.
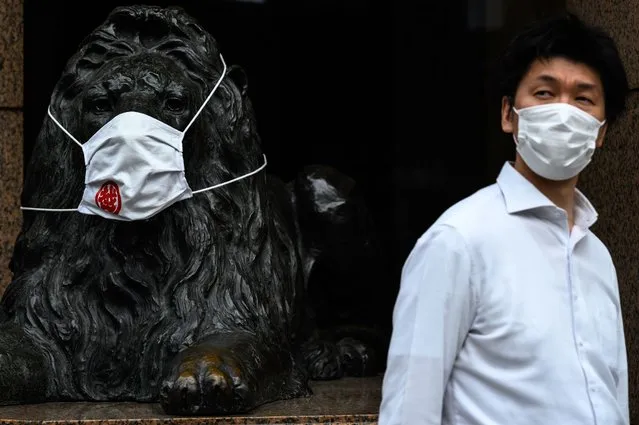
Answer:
(221, 302)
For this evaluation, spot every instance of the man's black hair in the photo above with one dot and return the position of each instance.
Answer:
(568, 37)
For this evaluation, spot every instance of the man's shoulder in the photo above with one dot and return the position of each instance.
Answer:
(464, 228)
(599, 248)
(467, 223)
(475, 214)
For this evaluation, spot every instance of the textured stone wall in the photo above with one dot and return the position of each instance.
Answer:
(11, 84)
(612, 180)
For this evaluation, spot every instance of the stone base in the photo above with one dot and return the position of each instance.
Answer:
(348, 401)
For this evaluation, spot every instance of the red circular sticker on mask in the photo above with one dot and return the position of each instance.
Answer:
(108, 197)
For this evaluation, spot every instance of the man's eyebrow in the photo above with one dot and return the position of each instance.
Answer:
(586, 86)
(547, 78)
(581, 85)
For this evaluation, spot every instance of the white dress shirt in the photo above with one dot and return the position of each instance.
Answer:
(506, 317)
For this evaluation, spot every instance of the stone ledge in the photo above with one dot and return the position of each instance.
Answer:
(348, 401)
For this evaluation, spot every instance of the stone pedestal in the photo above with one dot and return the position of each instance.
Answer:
(349, 401)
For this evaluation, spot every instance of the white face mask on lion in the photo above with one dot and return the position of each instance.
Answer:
(135, 167)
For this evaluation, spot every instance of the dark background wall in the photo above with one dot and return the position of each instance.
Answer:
(389, 92)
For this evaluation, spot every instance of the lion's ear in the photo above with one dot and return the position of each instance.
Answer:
(239, 77)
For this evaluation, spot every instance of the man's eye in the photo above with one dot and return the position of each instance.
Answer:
(543, 94)
(583, 99)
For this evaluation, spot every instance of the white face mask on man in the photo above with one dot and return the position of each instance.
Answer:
(556, 140)
(135, 167)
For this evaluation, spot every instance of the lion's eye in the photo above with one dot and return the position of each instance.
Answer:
(100, 105)
(175, 104)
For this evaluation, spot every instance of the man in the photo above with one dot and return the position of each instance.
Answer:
(508, 311)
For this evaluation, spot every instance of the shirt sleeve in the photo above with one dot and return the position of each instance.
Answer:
(433, 313)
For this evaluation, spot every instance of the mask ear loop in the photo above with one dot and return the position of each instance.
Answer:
(49, 209)
(206, 101)
(209, 96)
(512, 107)
(62, 128)
(235, 179)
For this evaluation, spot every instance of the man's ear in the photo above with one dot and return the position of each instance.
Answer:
(507, 119)
(238, 76)
(602, 135)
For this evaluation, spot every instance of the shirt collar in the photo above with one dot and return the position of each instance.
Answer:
(521, 195)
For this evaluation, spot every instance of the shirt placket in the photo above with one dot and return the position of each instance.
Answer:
(579, 319)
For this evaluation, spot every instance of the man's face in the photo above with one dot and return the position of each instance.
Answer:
(553, 81)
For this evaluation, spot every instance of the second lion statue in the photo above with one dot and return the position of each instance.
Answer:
(129, 286)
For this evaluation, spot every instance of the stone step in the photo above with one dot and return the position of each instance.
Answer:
(348, 401)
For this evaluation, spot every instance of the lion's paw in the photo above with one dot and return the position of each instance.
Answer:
(207, 383)
(358, 359)
(323, 360)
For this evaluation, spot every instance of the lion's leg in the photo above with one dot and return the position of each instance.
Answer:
(338, 233)
(23, 375)
(228, 374)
